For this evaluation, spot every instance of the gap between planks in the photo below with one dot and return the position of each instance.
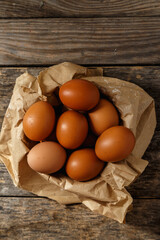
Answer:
(39, 197)
(84, 65)
(111, 40)
(73, 8)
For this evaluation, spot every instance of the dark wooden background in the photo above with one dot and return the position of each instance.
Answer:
(123, 37)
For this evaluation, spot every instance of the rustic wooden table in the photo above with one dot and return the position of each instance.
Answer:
(124, 38)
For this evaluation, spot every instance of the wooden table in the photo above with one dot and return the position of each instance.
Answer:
(124, 38)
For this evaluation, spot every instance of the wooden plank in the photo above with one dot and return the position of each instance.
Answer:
(74, 8)
(148, 184)
(81, 40)
(30, 218)
(146, 77)
(7, 187)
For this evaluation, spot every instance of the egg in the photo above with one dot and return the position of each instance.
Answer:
(103, 116)
(79, 94)
(39, 121)
(115, 144)
(46, 157)
(72, 129)
(83, 165)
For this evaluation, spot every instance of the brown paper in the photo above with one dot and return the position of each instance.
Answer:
(106, 194)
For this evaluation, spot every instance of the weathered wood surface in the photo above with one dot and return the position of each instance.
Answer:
(148, 184)
(74, 8)
(107, 32)
(147, 77)
(7, 187)
(32, 218)
(81, 40)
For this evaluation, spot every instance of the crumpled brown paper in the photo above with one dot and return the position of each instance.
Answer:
(106, 194)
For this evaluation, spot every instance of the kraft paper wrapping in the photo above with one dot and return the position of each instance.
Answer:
(105, 194)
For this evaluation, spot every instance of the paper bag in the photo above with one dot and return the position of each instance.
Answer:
(105, 194)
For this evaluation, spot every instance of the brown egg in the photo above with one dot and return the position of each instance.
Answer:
(46, 157)
(83, 165)
(39, 121)
(103, 116)
(79, 94)
(72, 129)
(115, 144)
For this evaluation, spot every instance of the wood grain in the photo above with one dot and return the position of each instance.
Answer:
(7, 187)
(81, 40)
(106, 32)
(30, 218)
(74, 8)
(148, 184)
(146, 77)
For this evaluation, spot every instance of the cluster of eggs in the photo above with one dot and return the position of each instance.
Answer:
(87, 133)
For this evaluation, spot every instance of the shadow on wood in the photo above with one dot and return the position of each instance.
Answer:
(145, 218)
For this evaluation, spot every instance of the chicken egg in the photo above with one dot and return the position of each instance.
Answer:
(115, 144)
(79, 94)
(72, 129)
(46, 157)
(103, 116)
(39, 121)
(83, 165)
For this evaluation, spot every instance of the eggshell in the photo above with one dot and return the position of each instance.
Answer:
(103, 116)
(79, 94)
(83, 165)
(72, 129)
(115, 144)
(47, 157)
(39, 121)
